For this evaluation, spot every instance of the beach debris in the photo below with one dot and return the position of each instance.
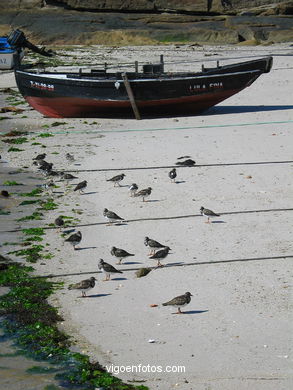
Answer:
(11, 109)
(84, 286)
(180, 301)
(151, 341)
(153, 305)
(108, 269)
(140, 273)
(208, 213)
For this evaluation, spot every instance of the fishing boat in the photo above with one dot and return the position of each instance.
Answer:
(150, 91)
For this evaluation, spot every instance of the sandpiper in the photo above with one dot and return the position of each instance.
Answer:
(145, 193)
(116, 179)
(74, 239)
(120, 254)
(161, 254)
(84, 286)
(208, 213)
(172, 175)
(180, 301)
(81, 186)
(111, 216)
(132, 189)
(59, 222)
(153, 244)
(108, 269)
(186, 163)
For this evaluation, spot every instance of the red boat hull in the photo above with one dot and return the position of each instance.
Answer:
(71, 107)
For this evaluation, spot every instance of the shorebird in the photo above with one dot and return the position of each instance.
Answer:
(116, 179)
(40, 156)
(59, 221)
(111, 216)
(153, 245)
(172, 174)
(208, 213)
(69, 157)
(180, 301)
(145, 193)
(68, 177)
(44, 165)
(74, 239)
(81, 186)
(161, 254)
(120, 254)
(84, 286)
(108, 269)
(132, 189)
(186, 163)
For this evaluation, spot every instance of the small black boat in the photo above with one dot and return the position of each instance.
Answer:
(150, 92)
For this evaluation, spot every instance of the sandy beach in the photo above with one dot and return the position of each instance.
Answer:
(237, 330)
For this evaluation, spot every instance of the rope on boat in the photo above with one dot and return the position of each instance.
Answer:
(284, 257)
(157, 219)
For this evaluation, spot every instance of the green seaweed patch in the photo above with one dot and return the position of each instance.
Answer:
(33, 231)
(45, 135)
(55, 124)
(28, 202)
(16, 133)
(35, 143)
(12, 183)
(35, 216)
(33, 239)
(35, 192)
(31, 255)
(15, 141)
(2, 212)
(48, 205)
(32, 323)
(12, 149)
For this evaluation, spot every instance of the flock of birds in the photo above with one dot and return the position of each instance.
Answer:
(157, 252)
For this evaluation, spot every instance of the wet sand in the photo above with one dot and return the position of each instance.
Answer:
(235, 332)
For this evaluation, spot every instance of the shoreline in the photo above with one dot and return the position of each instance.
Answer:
(238, 308)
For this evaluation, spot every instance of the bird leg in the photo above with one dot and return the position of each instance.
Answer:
(160, 264)
(179, 311)
(83, 294)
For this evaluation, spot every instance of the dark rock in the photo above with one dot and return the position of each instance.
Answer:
(142, 272)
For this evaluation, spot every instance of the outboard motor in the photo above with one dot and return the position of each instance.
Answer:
(17, 39)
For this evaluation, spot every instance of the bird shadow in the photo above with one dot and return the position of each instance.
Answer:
(152, 200)
(86, 247)
(96, 296)
(131, 262)
(68, 231)
(218, 222)
(172, 264)
(193, 312)
(180, 181)
(90, 193)
(117, 224)
(119, 279)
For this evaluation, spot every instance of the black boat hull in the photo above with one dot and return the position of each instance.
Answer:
(62, 95)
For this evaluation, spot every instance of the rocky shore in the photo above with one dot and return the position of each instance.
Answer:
(149, 22)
